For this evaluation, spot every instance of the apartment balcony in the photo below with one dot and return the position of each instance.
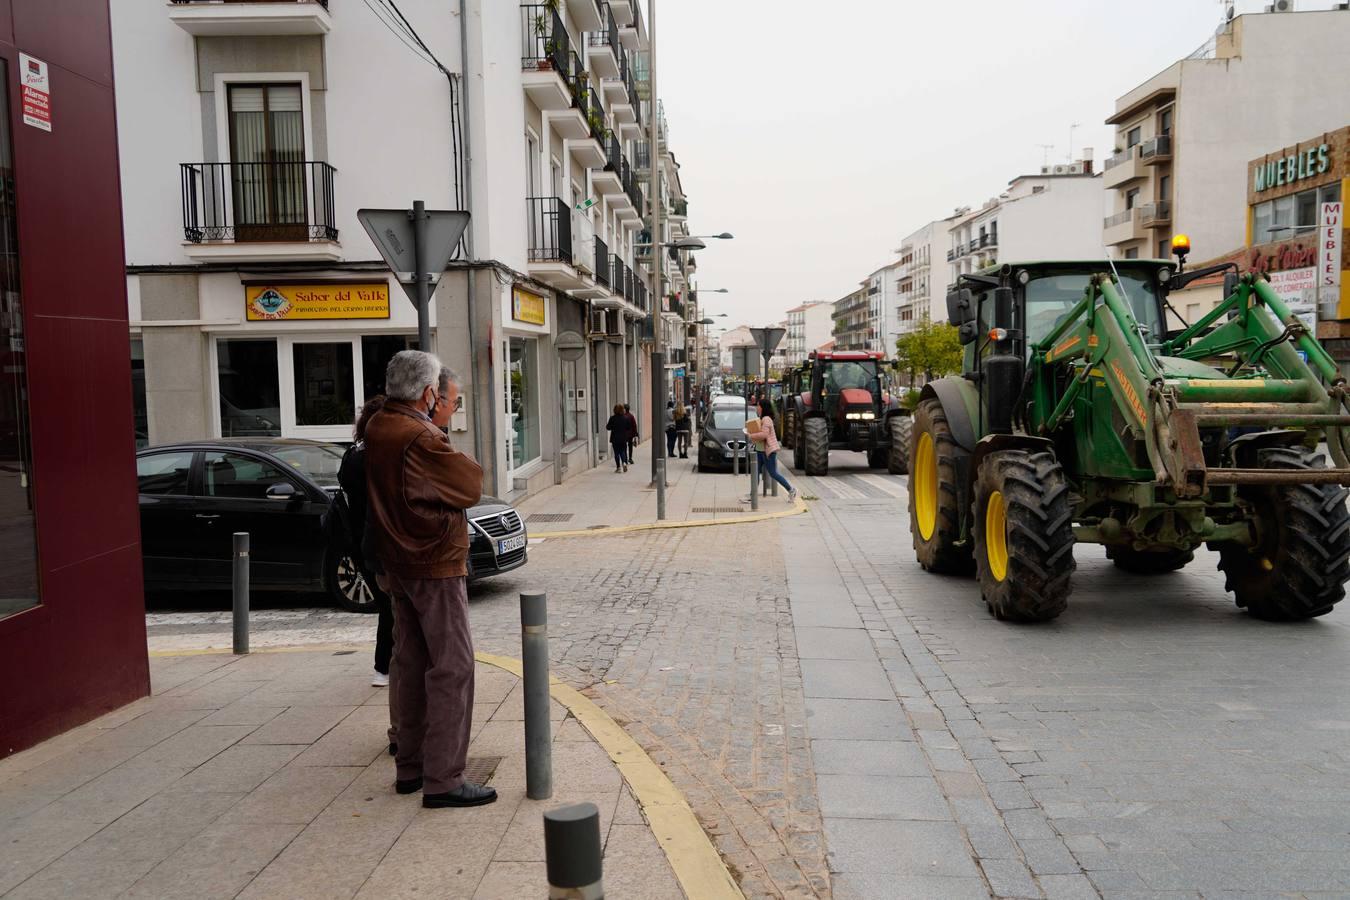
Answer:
(1123, 227)
(1158, 150)
(1156, 215)
(951, 255)
(621, 95)
(1122, 168)
(603, 47)
(633, 34)
(550, 248)
(549, 67)
(250, 212)
(212, 18)
(623, 11)
(586, 13)
(679, 211)
(607, 181)
(589, 147)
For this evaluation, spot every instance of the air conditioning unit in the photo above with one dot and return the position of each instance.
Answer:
(596, 324)
(613, 324)
(1281, 6)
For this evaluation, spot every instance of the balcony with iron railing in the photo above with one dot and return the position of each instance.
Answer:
(604, 264)
(234, 204)
(602, 46)
(214, 18)
(550, 230)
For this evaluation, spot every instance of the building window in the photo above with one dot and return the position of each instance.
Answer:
(1165, 121)
(1134, 136)
(522, 401)
(19, 574)
(324, 379)
(1164, 248)
(1192, 312)
(267, 150)
(1286, 217)
(1165, 187)
(1132, 253)
(140, 417)
(250, 392)
(1132, 198)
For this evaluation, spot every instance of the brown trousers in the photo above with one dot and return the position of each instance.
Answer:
(431, 680)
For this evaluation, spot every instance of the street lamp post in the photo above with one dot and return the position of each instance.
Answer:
(658, 336)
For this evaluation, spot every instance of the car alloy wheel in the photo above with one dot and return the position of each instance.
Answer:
(349, 588)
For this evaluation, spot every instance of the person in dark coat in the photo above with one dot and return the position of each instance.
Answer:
(633, 432)
(620, 434)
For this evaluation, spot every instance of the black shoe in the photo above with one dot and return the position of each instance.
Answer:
(409, 785)
(393, 749)
(467, 794)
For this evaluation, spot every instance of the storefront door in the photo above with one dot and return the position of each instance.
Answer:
(521, 397)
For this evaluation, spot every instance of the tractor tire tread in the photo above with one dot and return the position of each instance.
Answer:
(901, 431)
(817, 440)
(943, 553)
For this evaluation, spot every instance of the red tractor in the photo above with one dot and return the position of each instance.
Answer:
(839, 400)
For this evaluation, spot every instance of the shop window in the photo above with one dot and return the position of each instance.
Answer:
(250, 395)
(522, 401)
(1329, 193)
(1261, 222)
(1305, 210)
(376, 351)
(238, 477)
(164, 474)
(1284, 213)
(139, 416)
(18, 544)
(324, 380)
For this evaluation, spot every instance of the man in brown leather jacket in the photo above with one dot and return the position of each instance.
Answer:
(418, 488)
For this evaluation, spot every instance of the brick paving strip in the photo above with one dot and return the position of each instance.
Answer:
(267, 776)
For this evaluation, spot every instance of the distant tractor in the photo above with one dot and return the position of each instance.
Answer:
(838, 400)
(1084, 416)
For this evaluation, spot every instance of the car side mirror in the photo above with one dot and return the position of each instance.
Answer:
(960, 306)
(281, 491)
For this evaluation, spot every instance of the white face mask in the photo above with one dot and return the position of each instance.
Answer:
(431, 411)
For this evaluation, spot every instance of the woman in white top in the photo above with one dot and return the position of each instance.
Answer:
(767, 446)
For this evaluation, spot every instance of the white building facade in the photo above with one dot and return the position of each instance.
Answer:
(1047, 216)
(922, 276)
(808, 327)
(1184, 137)
(251, 134)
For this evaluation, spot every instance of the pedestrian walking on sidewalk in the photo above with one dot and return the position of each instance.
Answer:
(418, 487)
(632, 432)
(670, 428)
(683, 428)
(767, 447)
(620, 437)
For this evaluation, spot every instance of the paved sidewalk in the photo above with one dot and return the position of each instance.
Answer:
(602, 498)
(267, 776)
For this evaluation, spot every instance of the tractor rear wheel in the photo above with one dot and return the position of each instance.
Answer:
(1023, 535)
(817, 441)
(1148, 562)
(798, 446)
(1299, 567)
(934, 494)
(897, 462)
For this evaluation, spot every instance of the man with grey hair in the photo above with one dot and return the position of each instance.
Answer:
(418, 488)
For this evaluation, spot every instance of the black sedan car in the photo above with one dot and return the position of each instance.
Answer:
(722, 437)
(194, 496)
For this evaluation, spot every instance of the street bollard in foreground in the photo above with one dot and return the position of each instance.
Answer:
(754, 475)
(534, 666)
(241, 592)
(572, 852)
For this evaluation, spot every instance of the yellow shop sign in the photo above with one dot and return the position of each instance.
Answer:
(275, 302)
(528, 307)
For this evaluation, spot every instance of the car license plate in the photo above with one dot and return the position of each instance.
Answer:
(506, 545)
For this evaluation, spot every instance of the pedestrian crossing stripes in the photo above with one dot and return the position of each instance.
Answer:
(849, 486)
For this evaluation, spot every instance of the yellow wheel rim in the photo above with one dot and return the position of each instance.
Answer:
(995, 536)
(925, 486)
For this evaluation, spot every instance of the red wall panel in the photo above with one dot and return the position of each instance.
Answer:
(81, 652)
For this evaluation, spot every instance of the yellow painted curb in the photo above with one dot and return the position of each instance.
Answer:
(696, 862)
(796, 509)
(286, 648)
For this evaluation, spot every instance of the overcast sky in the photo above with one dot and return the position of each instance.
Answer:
(822, 133)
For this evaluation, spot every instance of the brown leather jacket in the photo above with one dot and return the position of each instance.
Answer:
(417, 489)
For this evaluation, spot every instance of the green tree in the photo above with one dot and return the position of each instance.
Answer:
(932, 348)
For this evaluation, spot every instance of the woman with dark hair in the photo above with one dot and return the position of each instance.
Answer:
(620, 434)
(766, 447)
(352, 477)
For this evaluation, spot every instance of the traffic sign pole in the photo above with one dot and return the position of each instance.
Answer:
(419, 222)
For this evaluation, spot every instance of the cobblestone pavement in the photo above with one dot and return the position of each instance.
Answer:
(807, 685)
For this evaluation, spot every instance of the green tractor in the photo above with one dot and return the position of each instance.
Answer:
(1081, 418)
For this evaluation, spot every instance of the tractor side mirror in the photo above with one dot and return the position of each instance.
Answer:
(960, 306)
(968, 332)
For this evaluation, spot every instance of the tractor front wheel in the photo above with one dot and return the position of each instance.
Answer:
(1023, 535)
(934, 494)
(798, 445)
(877, 458)
(897, 462)
(1148, 562)
(817, 440)
(1299, 567)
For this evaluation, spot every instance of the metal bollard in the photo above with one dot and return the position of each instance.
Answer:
(534, 665)
(241, 592)
(572, 853)
(754, 475)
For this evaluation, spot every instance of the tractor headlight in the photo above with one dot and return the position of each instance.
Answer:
(860, 415)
